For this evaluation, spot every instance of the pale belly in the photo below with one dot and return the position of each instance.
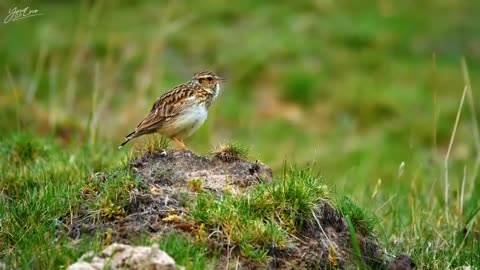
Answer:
(187, 123)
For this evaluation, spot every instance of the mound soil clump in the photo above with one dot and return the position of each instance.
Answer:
(172, 178)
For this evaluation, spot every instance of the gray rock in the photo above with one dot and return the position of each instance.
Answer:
(119, 256)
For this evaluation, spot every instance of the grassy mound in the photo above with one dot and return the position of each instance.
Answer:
(232, 207)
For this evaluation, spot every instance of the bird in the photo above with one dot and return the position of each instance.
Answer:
(179, 112)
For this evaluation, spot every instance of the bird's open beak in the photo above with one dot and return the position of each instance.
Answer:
(220, 79)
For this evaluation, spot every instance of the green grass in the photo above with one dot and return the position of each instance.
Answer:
(360, 219)
(192, 255)
(266, 214)
(107, 194)
(36, 193)
(354, 241)
(352, 89)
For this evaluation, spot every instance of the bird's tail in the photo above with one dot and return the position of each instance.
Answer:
(127, 139)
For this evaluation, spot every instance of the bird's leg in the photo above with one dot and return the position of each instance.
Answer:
(180, 143)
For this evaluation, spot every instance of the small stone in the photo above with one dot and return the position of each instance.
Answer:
(119, 256)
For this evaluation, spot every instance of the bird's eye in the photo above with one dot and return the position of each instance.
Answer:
(210, 78)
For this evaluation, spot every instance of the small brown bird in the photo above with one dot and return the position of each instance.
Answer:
(178, 113)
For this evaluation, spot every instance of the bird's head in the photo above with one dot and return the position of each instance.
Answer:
(207, 79)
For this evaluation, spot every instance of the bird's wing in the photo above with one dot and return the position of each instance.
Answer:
(168, 105)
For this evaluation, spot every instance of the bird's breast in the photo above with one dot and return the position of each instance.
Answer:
(189, 120)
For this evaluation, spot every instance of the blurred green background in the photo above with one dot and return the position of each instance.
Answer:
(355, 88)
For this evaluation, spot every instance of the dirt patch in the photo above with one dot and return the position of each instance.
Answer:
(172, 178)
(175, 168)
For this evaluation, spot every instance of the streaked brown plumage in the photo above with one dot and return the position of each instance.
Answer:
(181, 111)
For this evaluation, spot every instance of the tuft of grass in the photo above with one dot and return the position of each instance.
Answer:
(256, 254)
(353, 237)
(106, 194)
(230, 152)
(363, 221)
(195, 184)
(263, 215)
(155, 142)
(187, 253)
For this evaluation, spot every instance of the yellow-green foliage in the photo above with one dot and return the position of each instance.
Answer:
(106, 194)
(195, 184)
